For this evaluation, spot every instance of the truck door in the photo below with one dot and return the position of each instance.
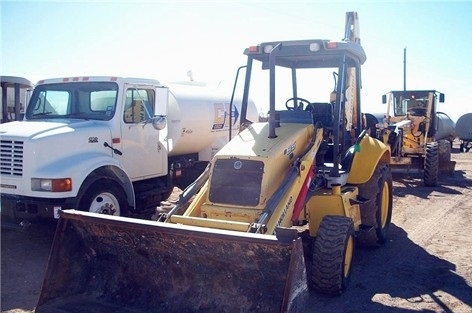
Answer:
(144, 155)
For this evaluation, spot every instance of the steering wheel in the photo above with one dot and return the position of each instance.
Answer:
(295, 105)
(417, 111)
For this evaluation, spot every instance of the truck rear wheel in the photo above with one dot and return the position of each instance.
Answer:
(104, 196)
(332, 255)
(431, 165)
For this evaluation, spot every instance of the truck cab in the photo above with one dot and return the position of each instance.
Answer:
(108, 145)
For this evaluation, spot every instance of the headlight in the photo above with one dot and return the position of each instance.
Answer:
(315, 47)
(51, 184)
(268, 48)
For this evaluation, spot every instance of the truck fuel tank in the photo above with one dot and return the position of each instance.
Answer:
(199, 119)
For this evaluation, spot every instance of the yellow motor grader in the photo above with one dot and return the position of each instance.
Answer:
(419, 135)
(275, 214)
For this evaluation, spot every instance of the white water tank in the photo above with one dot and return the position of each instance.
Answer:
(445, 129)
(199, 119)
(464, 127)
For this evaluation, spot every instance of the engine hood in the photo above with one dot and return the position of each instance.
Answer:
(37, 129)
(47, 148)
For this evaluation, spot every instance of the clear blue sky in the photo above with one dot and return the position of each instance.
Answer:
(165, 39)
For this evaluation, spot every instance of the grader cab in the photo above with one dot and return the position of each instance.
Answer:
(419, 135)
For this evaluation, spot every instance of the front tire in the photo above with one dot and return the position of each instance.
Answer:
(104, 196)
(333, 250)
(431, 165)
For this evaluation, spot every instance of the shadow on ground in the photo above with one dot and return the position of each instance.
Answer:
(400, 269)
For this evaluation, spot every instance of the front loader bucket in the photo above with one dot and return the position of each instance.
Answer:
(102, 263)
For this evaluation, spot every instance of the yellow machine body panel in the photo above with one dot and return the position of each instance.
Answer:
(335, 201)
(239, 187)
(370, 152)
(277, 154)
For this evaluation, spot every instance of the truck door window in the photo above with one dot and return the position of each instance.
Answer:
(139, 105)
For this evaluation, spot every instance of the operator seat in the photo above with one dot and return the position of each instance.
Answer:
(322, 112)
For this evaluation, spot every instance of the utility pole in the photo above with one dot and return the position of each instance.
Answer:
(404, 69)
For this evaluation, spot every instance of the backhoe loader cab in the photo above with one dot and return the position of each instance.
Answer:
(337, 115)
(418, 134)
(265, 223)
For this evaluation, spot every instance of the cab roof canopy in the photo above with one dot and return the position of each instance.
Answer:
(11, 81)
(313, 53)
(416, 93)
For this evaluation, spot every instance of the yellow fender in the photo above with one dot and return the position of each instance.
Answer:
(366, 157)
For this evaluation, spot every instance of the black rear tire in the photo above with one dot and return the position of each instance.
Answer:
(444, 151)
(333, 250)
(384, 203)
(377, 212)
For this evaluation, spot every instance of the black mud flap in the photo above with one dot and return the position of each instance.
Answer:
(105, 264)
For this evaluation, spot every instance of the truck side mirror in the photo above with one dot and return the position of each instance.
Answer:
(161, 102)
(159, 122)
(384, 99)
(441, 97)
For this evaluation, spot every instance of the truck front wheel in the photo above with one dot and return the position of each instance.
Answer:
(104, 196)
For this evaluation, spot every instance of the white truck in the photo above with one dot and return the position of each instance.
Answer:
(110, 145)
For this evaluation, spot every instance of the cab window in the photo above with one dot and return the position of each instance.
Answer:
(138, 105)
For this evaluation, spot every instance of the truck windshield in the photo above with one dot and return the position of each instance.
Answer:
(81, 100)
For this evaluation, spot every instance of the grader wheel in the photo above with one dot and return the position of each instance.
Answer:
(333, 251)
(431, 165)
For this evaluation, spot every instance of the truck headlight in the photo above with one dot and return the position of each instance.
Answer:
(51, 184)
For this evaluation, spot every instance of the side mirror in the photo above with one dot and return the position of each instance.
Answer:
(159, 122)
(384, 99)
(441, 97)
(161, 101)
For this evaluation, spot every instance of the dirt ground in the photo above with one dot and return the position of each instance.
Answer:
(425, 266)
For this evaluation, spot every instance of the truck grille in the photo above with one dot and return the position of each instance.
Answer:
(11, 157)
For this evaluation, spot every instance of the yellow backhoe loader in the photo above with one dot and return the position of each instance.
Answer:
(274, 216)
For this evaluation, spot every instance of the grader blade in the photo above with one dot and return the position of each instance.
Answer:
(102, 263)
